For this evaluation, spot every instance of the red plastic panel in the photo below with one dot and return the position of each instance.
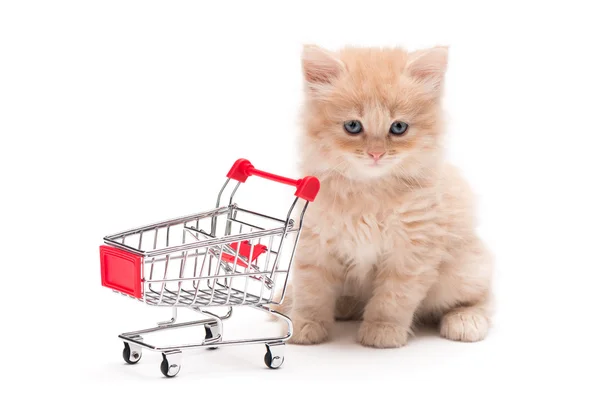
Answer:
(245, 248)
(121, 271)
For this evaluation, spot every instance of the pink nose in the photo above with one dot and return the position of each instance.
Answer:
(376, 155)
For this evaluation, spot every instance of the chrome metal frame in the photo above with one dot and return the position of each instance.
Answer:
(168, 279)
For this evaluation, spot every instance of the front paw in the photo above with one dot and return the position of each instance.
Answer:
(464, 325)
(382, 335)
(308, 332)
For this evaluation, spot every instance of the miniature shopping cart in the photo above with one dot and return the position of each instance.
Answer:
(226, 257)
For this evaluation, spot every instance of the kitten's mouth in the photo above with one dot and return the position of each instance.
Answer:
(377, 164)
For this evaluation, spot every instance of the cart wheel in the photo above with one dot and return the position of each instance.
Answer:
(131, 357)
(209, 328)
(274, 356)
(171, 364)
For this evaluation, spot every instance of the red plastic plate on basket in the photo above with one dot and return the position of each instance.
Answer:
(121, 271)
(244, 251)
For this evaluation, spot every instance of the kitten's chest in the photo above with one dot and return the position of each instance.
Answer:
(360, 239)
(364, 228)
(357, 237)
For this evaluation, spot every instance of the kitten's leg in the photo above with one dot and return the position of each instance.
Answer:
(461, 296)
(389, 313)
(316, 290)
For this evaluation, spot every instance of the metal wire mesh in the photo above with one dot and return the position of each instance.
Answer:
(227, 256)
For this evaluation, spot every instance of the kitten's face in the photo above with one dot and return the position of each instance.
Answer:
(372, 113)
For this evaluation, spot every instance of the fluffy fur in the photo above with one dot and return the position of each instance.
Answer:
(390, 241)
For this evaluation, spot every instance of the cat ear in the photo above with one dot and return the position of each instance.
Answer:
(429, 66)
(320, 66)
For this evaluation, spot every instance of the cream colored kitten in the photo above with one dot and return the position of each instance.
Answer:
(391, 237)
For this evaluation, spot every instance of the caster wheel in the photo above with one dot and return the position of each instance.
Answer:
(131, 356)
(273, 361)
(209, 335)
(170, 365)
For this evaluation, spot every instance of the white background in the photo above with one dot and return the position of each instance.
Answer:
(115, 114)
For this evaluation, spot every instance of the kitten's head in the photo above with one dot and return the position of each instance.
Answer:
(371, 113)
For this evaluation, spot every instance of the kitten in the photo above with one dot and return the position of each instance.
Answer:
(391, 237)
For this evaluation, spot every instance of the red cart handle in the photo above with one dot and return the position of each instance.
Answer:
(306, 188)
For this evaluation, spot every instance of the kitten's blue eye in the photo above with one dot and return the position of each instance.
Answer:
(353, 127)
(398, 128)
